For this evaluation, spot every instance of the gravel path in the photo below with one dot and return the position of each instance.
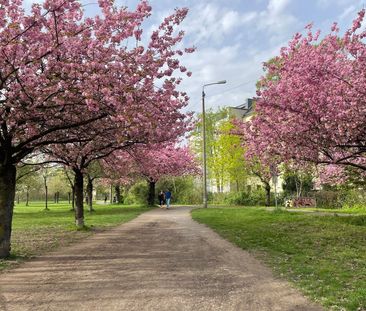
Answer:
(162, 260)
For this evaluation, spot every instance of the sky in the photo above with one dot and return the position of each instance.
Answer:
(234, 37)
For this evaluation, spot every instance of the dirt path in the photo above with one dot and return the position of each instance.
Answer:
(162, 260)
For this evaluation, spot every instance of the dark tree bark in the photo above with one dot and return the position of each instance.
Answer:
(27, 197)
(89, 189)
(69, 197)
(151, 197)
(117, 189)
(267, 187)
(79, 198)
(7, 196)
(46, 193)
(55, 198)
(111, 193)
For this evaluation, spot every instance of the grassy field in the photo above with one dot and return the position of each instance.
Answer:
(324, 256)
(353, 211)
(36, 230)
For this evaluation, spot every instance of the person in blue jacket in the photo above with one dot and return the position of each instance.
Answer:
(168, 196)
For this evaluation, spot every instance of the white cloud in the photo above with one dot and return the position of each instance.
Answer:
(276, 7)
(275, 20)
(208, 22)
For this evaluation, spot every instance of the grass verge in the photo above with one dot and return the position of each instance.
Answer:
(36, 231)
(349, 211)
(324, 256)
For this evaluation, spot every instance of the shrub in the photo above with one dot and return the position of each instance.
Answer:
(137, 194)
(340, 198)
(353, 198)
(185, 189)
(327, 199)
(256, 197)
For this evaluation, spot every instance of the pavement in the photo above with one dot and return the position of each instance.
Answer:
(162, 260)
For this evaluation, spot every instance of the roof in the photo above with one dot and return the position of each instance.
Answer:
(243, 110)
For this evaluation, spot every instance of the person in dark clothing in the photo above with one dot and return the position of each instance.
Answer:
(161, 198)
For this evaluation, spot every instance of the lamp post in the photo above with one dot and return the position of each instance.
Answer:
(204, 140)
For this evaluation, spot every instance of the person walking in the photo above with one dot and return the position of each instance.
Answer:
(161, 198)
(168, 196)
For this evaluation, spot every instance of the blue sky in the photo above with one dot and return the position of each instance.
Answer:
(234, 37)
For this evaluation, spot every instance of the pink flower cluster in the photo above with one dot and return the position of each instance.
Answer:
(152, 162)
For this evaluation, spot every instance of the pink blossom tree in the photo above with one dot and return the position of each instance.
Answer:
(39, 64)
(143, 112)
(61, 72)
(312, 103)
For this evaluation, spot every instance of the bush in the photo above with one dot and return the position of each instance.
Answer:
(327, 199)
(353, 198)
(217, 197)
(340, 198)
(137, 194)
(185, 189)
(256, 197)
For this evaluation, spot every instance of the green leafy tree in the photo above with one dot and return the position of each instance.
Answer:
(230, 156)
(215, 166)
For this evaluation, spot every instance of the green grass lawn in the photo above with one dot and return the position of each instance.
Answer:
(353, 211)
(36, 231)
(324, 256)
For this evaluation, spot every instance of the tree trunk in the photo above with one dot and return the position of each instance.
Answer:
(58, 197)
(267, 187)
(69, 194)
(27, 197)
(89, 189)
(151, 198)
(117, 189)
(55, 198)
(79, 198)
(46, 199)
(7, 196)
(46, 191)
(111, 198)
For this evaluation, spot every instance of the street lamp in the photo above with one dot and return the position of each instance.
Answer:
(204, 140)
